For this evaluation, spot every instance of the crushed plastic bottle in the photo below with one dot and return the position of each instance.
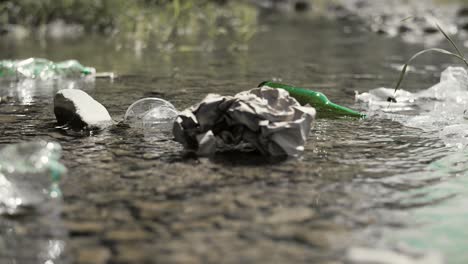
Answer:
(439, 109)
(325, 108)
(453, 87)
(30, 173)
(43, 69)
(150, 112)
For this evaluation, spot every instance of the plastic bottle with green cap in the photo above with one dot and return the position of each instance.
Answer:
(324, 107)
(37, 68)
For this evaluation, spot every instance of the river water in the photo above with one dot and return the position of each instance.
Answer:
(131, 196)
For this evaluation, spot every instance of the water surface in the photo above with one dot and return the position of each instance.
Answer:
(132, 196)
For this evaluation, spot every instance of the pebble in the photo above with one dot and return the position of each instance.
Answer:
(95, 255)
(133, 253)
(84, 228)
(289, 215)
(127, 235)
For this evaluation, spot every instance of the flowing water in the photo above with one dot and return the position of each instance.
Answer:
(132, 196)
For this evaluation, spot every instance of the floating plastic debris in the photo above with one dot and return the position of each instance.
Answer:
(150, 112)
(452, 87)
(29, 185)
(440, 108)
(29, 174)
(265, 119)
(43, 69)
(325, 108)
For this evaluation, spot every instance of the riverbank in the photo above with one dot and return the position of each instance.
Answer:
(414, 21)
(191, 22)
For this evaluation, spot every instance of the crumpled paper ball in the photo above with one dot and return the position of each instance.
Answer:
(266, 119)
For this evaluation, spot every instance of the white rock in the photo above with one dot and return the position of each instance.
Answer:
(78, 110)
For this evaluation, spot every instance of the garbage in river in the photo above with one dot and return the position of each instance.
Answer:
(266, 119)
(78, 110)
(324, 107)
(29, 174)
(43, 69)
(150, 112)
(440, 108)
(453, 86)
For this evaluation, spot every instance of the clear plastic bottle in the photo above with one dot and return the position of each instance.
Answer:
(29, 176)
(43, 69)
(73, 69)
(30, 173)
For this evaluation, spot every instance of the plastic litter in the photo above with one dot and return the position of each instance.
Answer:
(440, 108)
(150, 112)
(29, 174)
(43, 69)
(325, 108)
(265, 119)
(452, 87)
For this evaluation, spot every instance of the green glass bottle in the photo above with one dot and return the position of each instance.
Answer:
(323, 106)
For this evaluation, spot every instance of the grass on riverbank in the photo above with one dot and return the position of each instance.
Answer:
(458, 54)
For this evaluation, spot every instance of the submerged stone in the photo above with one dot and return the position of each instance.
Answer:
(77, 109)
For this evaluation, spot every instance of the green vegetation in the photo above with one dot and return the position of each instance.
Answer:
(92, 14)
(458, 55)
(166, 22)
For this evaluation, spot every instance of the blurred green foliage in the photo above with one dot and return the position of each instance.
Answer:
(165, 22)
(92, 14)
(188, 22)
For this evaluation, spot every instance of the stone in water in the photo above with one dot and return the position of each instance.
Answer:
(77, 109)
